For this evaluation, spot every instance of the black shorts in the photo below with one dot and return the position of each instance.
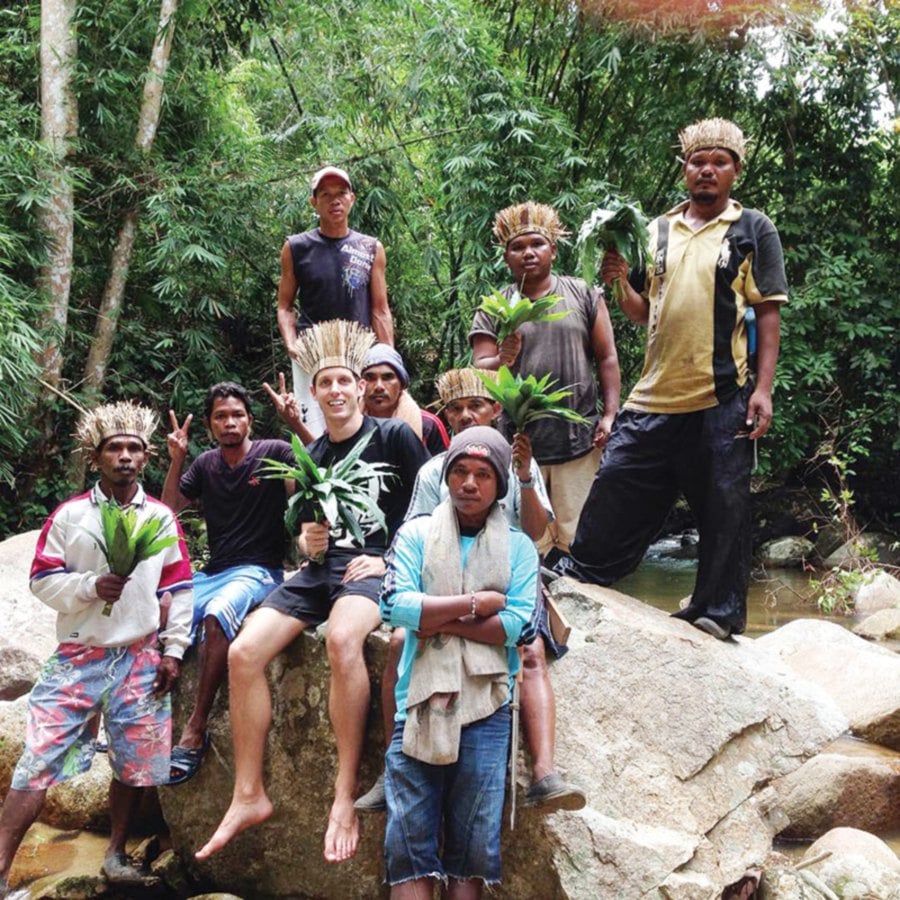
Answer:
(313, 590)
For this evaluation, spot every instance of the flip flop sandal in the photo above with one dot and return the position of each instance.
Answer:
(120, 871)
(186, 761)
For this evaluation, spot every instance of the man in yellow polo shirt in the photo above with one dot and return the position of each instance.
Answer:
(689, 422)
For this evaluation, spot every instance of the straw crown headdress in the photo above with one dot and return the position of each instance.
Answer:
(337, 342)
(713, 133)
(526, 218)
(116, 418)
(459, 383)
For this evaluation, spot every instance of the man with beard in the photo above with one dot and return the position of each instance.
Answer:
(692, 416)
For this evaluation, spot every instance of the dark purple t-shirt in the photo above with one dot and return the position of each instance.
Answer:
(244, 511)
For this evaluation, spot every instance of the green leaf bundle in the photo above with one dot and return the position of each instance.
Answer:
(342, 493)
(526, 400)
(621, 227)
(124, 543)
(511, 314)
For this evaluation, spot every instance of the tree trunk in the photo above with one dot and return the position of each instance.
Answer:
(148, 122)
(59, 126)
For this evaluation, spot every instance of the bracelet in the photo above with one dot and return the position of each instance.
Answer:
(472, 597)
(524, 485)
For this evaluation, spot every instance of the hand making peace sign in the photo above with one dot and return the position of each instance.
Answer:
(177, 439)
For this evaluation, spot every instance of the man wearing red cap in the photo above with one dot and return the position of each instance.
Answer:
(332, 272)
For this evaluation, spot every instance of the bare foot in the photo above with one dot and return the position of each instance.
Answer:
(240, 816)
(342, 836)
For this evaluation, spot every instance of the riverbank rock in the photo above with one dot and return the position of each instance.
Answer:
(863, 679)
(674, 736)
(859, 865)
(866, 548)
(846, 785)
(19, 669)
(879, 590)
(786, 553)
(28, 624)
(880, 626)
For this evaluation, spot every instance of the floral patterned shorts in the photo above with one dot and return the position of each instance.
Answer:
(77, 684)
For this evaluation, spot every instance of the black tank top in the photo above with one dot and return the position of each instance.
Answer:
(333, 276)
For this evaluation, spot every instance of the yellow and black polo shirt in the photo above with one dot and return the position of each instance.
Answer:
(699, 287)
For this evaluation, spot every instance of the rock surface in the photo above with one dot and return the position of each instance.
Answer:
(786, 552)
(674, 736)
(880, 590)
(857, 787)
(859, 866)
(880, 626)
(868, 546)
(19, 669)
(862, 678)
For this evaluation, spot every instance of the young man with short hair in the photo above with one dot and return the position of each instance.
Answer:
(244, 514)
(108, 659)
(342, 590)
(330, 272)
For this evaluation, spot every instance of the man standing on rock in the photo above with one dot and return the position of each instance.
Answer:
(108, 659)
(571, 350)
(341, 589)
(331, 272)
(244, 516)
(691, 418)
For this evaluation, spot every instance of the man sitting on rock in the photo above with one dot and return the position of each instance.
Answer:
(387, 396)
(342, 590)
(463, 584)
(108, 659)
(244, 516)
(467, 403)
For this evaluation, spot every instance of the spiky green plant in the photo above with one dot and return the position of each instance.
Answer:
(526, 400)
(125, 543)
(342, 493)
(622, 227)
(512, 313)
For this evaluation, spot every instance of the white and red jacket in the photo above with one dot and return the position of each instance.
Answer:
(67, 562)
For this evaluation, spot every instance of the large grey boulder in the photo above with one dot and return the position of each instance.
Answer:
(846, 785)
(28, 624)
(674, 735)
(861, 677)
(880, 626)
(786, 552)
(855, 865)
(19, 669)
(879, 590)
(863, 549)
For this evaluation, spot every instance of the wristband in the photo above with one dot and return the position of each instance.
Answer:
(472, 597)
(525, 485)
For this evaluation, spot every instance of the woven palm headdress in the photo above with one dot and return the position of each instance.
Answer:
(713, 133)
(459, 383)
(337, 342)
(111, 419)
(526, 218)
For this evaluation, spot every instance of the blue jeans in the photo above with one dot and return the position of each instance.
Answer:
(463, 799)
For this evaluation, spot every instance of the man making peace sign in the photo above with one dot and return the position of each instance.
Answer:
(245, 525)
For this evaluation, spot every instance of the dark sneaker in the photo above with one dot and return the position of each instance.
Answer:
(552, 793)
(374, 800)
(720, 632)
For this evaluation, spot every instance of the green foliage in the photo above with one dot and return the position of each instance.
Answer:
(343, 493)
(527, 400)
(511, 313)
(444, 113)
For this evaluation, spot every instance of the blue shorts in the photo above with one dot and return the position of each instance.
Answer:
(463, 801)
(79, 682)
(230, 594)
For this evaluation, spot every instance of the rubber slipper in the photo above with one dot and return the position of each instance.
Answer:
(120, 871)
(186, 761)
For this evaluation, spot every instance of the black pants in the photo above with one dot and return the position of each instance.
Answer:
(649, 459)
